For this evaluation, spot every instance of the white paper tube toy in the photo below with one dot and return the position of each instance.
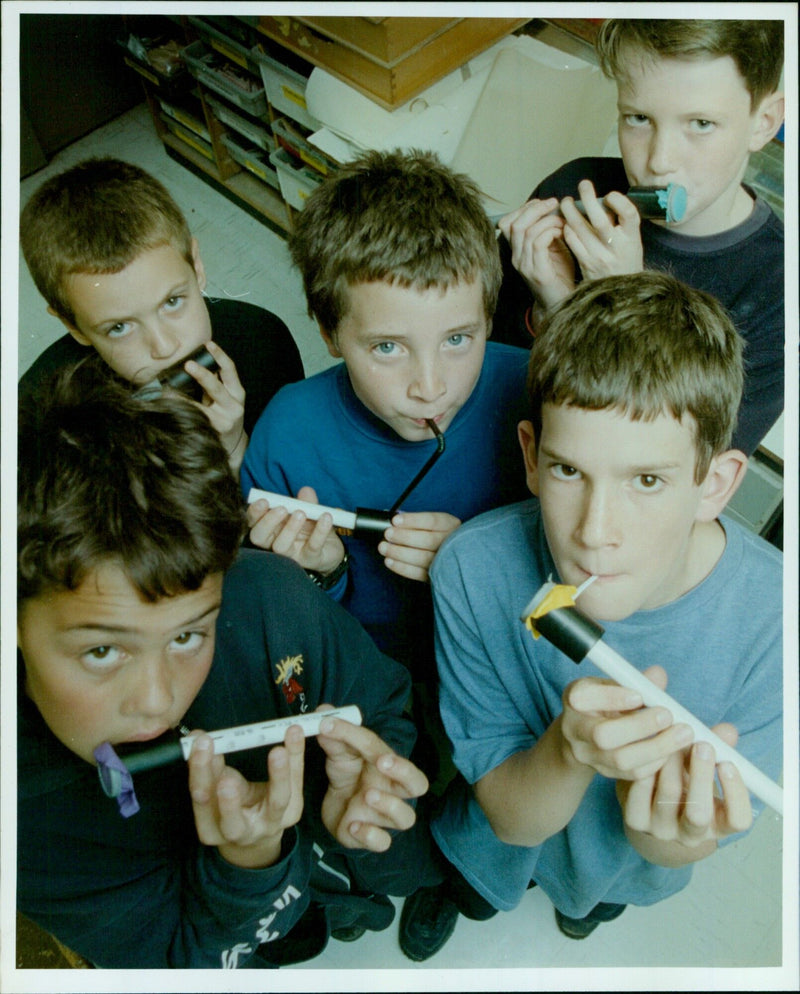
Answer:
(579, 637)
(270, 732)
(341, 519)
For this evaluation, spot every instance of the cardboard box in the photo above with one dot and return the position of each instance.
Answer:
(420, 50)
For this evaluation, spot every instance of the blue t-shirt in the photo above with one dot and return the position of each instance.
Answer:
(318, 433)
(720, 644)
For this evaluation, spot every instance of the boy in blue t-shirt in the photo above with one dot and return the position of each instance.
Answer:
(575, 785)
(695, 99)
(401, 271)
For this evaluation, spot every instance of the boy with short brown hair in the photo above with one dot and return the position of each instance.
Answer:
(695, 99)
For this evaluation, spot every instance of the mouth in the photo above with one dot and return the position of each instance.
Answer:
(148, 736)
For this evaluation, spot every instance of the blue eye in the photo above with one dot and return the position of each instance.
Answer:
(385, 348)
(173, 303)
(119, 330)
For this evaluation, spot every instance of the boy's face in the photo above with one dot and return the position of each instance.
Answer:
(618, 501)
(144, 318)
(689, 121)
(412, 354)
(103, 665)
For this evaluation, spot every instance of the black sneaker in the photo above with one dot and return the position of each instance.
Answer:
(427, 922)
(349, 933)
(579, 928)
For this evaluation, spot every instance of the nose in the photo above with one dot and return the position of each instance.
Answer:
(661, 153)
(162, 342)
(150, 692)
(598, 525)
(427, 382)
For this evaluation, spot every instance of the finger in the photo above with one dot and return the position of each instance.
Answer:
(591, 695)
(419, 574)
(410, 555)
(204, 768)
(268, 526)
(293, 530)
(638, 806)
(308, 494)
(435, 522)
(321, 533)
(363, 742)
(211, 384)
(699, 805)
(627, 215)
(736, 806)
(366, 836)
(228, 371)
(231, 791)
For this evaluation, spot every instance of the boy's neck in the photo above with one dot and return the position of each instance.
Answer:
(706, 547)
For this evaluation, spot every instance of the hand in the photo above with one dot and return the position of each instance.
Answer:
(413, 539)
(369, 785)
(678, 804)
(601, 247)
(223, 401)
(538, 251)
(312, 544)
(606, 728)
(246, 820)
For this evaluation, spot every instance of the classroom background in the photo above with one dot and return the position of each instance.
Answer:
(240, 139)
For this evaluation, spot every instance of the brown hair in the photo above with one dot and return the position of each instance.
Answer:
(647, 345)
(105, 476)
(96, 217)
(400, 217)
(756, 47)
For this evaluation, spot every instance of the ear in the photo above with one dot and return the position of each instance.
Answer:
(723, 479)
(527, 443)
(197, 265)
(767, 118)
(330, 341)
(76, 333)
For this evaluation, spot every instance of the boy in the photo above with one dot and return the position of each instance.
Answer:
(695, 99)
(401, 270)
(112, 254)
(137, 615)
(634, 386)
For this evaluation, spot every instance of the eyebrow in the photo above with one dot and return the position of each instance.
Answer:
(643, 470)
(127, 630)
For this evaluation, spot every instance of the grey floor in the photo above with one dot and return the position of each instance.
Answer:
(725, 931)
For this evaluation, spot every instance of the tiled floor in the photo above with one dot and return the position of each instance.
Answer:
(725, 931)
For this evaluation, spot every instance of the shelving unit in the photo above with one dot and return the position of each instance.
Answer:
(236, 115)
(214, 117)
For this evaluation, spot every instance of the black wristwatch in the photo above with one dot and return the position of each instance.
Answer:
(327, 580)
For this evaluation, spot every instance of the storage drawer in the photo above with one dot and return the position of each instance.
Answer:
(297, 181)
(258, 134)
(227, 47)
(296, 144)
(253, 159)
(285, 89)
(225, 78)
(189, 137)
(186, 119)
